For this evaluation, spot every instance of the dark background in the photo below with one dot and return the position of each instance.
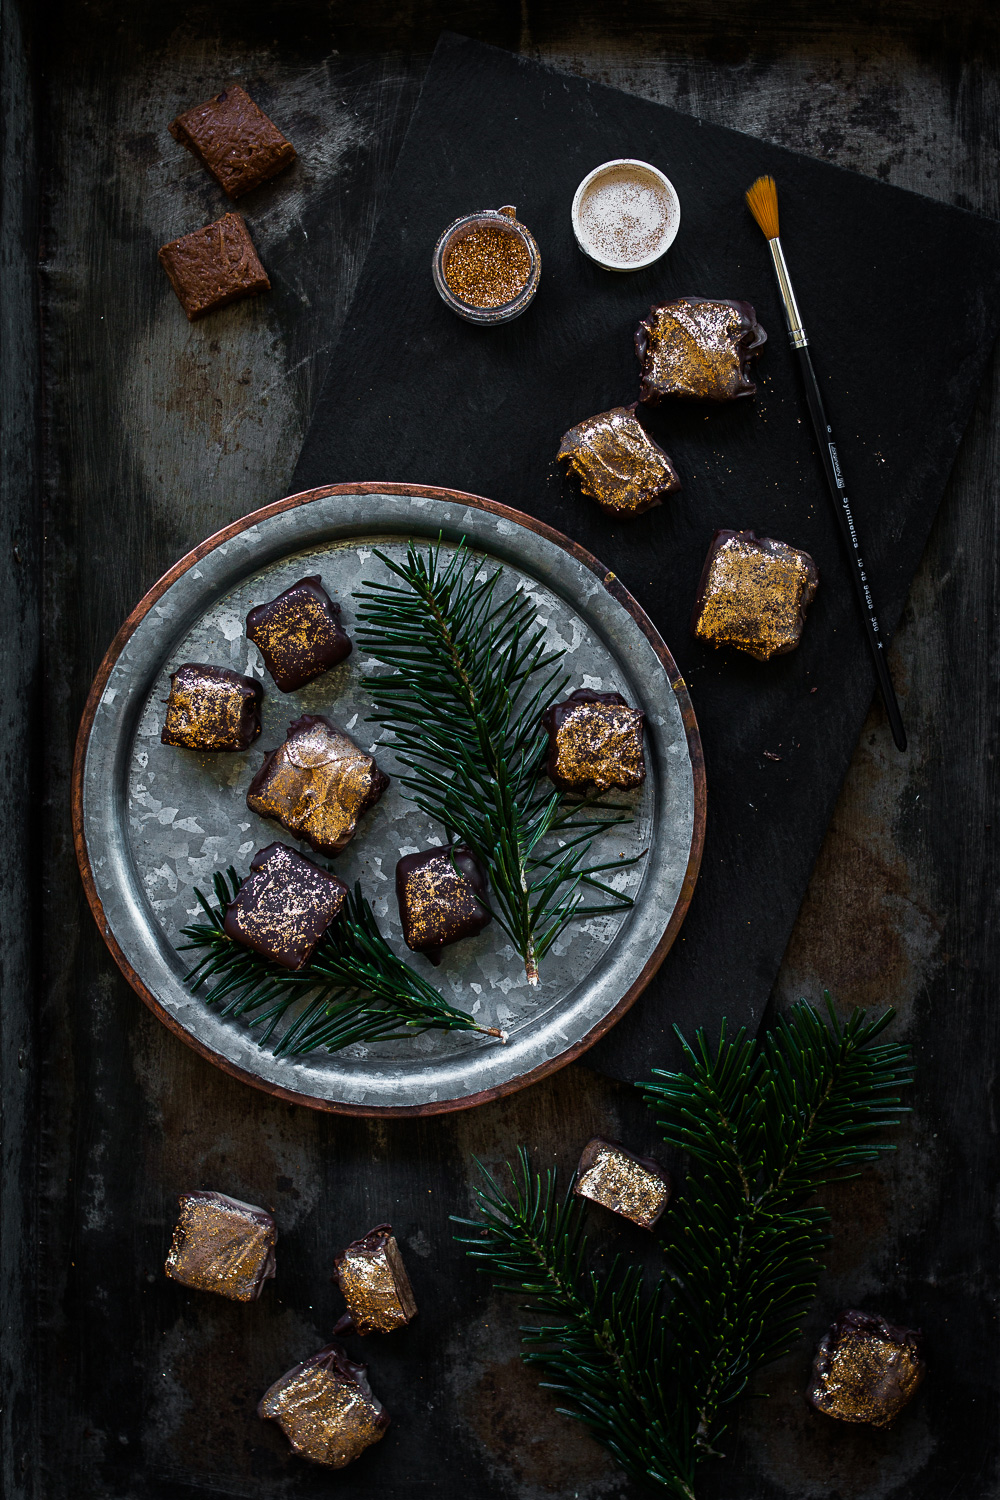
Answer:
(127, 436)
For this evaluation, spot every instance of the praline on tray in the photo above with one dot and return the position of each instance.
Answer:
(617, 463)
(374, 1283)
(595, 743)
(865, 1370)
(326, 1409)
(317, 784)
(222, 1245)
(212, 708)
(754, 594)
(284, 906)
(698, 348)
(234, 139)
(213, 266)
(299, 634)
(439, 892)
(636, 1187)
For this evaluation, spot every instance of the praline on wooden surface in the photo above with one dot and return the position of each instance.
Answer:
(866, 1369)
(698, 348)
(299, 634)
(234, 139)
(754, 594)
(595, 743)
(222, 1245)
(211, 708)
(374, 1283)
(617, 463)
(317, 784)
(284, 906)
(439, 893)
(326, 1409)
(636, 1187)
(213, 266)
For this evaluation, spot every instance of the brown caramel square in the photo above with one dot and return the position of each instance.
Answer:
(299, 634)
(865, 1370)
(234, 139)
(595, 742)
(214, 266)
(439, 893)
(697, 348)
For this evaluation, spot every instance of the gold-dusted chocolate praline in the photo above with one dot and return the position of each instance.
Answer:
(698, 348)
(754, 594)
(636, 1187)
(617, 462)
(865, 1370)
(595, 741)
(373, 1280)
(212, 708)
(439, 894)
(326, 1409)
(317, 784)
(222, 1245)
(299, 634)
(284, 906)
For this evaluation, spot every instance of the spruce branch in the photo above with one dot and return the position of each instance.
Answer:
(765, 1125)
(470, 678)
(355, 987)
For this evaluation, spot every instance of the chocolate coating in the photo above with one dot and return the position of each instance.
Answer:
(212, 708)
(865, 1370)
(754, 594)
(376, 1288)
(222, 1245)
(284, 906)
(595, 741)
(698, 348)
(439, 904)
(617, 462)
(299, 634)
(636, 1187)
(326, 1409)
(234, 139)
(317, 784)
(214, 266)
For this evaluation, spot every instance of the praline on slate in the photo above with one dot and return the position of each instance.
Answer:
(617, 462)
(213, 266)
(439, 894)
(317, 784)
(212, 708)
(754, 594)
(374, 1283)
(234, 139)
(865, 1370)
(299, 634)
(326, 1409)
(595, 742)
(698, 348)
(284, 906)
(222, 1245)
(636, 1187)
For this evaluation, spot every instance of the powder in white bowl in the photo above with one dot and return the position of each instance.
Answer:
(626, 215)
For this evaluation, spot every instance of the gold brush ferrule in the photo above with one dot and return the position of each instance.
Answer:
(793, 318)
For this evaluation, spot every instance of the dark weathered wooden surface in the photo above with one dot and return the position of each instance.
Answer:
(155, 434)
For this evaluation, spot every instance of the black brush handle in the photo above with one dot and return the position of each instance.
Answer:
(848, 530)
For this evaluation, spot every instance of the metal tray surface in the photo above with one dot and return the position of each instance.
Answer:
(154, 822)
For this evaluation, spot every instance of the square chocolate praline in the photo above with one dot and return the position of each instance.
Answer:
(284, 906)
(698, 349)
(222, 1245)
(439, 893)
(317, 784)
(595, 743)
(374, 1283)
(326, 1409)
(617, 462)
(214, 266)
(754, 594)
(212, 708)
(234, 139)
(865, 1370)
(299, 634)
(636, 1187)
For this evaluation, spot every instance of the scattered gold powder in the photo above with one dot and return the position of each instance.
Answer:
(487, 266)
(327, 1417)
(600, 745)
(867, 1378)
(222, 1245)
(375, 1285)
(755, 596)
(612, 1177)
(618, 463)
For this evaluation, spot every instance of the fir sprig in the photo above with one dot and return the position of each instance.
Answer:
(765, 1125)
(356, 988)
(471, 678)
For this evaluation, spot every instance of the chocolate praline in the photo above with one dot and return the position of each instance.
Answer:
(698, 348)
(374, 1283)
(284, 906)
(595, 742)
(299, 634)
(754, 594)
(439, 894)
(636, 1187)
(866, 1369)
(326, 1409)
(211, 708)
(222, 1245)
(317, 784)
(617, 463)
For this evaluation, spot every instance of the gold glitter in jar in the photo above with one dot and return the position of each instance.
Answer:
(222, 1245)
(374, 1283)
(326, 1409)
(865, 1369)
(618, 463)
(600, 745)
(317, 784)
(754, 594)
(629, 1185)
(487, 266)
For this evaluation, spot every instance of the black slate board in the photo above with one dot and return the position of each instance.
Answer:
(902, 298)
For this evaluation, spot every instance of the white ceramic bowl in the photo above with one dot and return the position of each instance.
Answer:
(644, 175)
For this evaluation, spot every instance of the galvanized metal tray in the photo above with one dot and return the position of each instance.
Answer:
(152, 822)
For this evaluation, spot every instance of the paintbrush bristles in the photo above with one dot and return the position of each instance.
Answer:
(762, 200)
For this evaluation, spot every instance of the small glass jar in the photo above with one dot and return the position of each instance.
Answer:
(502, 218)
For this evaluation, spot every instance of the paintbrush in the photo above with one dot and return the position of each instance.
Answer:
(762, 199)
